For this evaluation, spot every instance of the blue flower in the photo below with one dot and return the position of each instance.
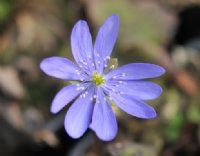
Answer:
(97, 86)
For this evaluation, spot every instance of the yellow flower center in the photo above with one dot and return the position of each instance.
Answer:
(97, 79)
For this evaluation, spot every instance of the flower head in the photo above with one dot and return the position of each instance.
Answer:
(125, 86)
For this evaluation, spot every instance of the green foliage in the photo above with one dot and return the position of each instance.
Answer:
(5, 9)
(193, 113)
(173, 127)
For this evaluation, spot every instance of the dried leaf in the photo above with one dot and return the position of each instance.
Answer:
(10, 82)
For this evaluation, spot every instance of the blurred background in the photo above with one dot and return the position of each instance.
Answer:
(163, 32)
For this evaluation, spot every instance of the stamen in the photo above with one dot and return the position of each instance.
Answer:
(123, 74)
(112, 67)
(99, 62)
(121, 93)
(108, 57)
(97, 79)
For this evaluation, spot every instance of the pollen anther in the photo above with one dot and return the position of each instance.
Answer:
(97, 79)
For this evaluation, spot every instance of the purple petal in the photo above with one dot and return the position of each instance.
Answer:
(60, 67)
(81, 43)
(141, 89)
(105, 41)
(135, 71)
(79, 115)
(66, 95)
(134, 106)
(103, 120)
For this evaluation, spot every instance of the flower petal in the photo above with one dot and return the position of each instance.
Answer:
(134, 106)
(141, 89)
(66, 95)
(81, 43)
(103, 121)
(79, 115)
(105, 41)
(62, 68)
(136, 71)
